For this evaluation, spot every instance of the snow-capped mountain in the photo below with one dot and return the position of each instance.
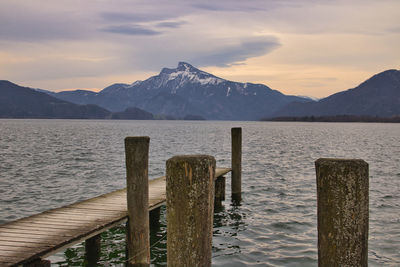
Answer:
(187, 90)
(175, 79)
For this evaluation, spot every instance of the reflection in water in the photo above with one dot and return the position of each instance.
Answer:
(158, 241)
(227, 225)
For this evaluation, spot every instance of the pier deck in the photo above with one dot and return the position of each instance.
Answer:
(44, 234)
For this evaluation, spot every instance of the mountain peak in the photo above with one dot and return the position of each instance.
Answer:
(186, 73)
(388, 73)
(182, 66)
(391, 76)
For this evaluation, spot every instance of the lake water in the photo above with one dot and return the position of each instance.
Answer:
(50, 163)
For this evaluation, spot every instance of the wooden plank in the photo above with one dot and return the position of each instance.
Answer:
(82, 218)
(21, 248)
(52, 223)
(27, 236)
(102, 206)
(20, 239)
(35, 233)
(24, 244)
(59, 221)
(98, 207)
(8, 259)
(17, 255)
(49, 224)
(56, 231)
(60, 215)
(40, 228)
(75, 211)
(84, 212)
(99, 202)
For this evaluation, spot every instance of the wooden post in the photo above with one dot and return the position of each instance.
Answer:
(137, 184)
(342, 193)
(219, 191)
(38, 263)
(236, 184)
(155, 218)
(190, 210)
(92, 250)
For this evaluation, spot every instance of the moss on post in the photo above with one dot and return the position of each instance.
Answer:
(343, 208)
(190, 208)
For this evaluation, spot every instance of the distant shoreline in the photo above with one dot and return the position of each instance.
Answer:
(337, 118)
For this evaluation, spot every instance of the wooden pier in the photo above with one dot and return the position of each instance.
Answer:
(44, 234)
(191, 189)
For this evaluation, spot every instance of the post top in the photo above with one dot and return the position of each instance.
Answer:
(333, 161)
(191, 158)
(137, 139)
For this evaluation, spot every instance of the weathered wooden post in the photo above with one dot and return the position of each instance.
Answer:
(137, 185)
(190, 210)
(219, 191)
(343, 210)
(93, 250)
(236, 184)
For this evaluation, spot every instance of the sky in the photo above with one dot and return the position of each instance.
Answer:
(299, 47)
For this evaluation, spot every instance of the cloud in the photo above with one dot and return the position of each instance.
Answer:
(241, 6)
(394, 30)
(134, 17)
(40, 26)
(235, 54)
(171, 24)
(131, 30)
(70, 39)
(166, 50)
